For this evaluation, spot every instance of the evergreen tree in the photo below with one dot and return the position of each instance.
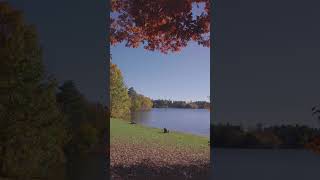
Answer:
(132, 92)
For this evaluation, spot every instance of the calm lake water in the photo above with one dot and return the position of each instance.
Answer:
(252, 164)
(194, 121)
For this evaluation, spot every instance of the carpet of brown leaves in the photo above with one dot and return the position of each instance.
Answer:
(152, 161)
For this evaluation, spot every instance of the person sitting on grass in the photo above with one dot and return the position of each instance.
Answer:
(165, 130)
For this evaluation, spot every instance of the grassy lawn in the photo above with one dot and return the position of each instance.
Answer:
(139, 151)
(122, 131)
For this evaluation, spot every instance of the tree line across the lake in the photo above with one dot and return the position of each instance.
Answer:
(124, 101)
(41, 123)
(284, 136)
(160, 103)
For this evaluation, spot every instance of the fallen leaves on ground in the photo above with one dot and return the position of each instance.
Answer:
(138, 161)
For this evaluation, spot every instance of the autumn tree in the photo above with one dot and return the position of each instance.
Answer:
(160, 25)
(146, 103)
(163, 25)
(32, 128)
(120, 100)
(135, 101)
(139, 102)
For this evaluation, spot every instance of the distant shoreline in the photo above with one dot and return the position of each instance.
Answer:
(160, 103)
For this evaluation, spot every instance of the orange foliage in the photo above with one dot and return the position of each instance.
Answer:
(164, 25)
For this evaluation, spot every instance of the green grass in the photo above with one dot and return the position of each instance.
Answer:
(123, 131)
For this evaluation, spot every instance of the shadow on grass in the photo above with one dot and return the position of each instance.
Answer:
(150, 171)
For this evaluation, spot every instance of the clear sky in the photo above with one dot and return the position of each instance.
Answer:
(177, 76)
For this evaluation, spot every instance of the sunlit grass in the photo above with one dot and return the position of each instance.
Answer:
(122, 131)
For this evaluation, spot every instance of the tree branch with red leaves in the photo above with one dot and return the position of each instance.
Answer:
(163, 25)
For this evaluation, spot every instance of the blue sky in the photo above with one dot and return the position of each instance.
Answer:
(177, 76)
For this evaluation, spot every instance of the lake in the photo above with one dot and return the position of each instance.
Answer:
(253, 164)
(193, 121)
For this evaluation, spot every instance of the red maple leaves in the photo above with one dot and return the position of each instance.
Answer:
(164, 25)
